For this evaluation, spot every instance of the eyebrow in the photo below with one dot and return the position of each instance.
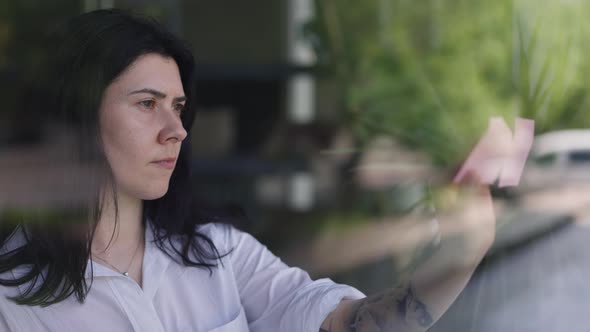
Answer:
(157, 94)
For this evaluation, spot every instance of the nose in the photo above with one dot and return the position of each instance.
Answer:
(172, 130)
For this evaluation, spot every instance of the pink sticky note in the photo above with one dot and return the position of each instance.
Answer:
(499, 153)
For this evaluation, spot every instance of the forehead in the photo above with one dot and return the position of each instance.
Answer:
(153, 71)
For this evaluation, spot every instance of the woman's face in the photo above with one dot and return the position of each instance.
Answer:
(140, 125)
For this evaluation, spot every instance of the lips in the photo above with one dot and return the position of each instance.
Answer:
(167, 163)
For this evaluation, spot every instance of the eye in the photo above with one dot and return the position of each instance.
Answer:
(179, 108)
(148, 104)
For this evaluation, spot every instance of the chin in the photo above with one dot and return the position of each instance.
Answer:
(154, 193)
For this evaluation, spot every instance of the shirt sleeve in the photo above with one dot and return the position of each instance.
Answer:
(277, 297)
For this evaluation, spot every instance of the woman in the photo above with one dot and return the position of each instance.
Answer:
(140, 260)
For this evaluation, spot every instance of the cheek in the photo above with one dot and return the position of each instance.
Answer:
(125, 144)
(120, 142)
(129, 146)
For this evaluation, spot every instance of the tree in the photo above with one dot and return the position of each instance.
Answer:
(431, 73)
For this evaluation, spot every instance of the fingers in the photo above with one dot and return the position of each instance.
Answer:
(499, 154)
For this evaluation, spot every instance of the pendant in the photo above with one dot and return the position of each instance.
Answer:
(126, 274)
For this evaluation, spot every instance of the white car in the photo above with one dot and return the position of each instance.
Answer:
(558, 158)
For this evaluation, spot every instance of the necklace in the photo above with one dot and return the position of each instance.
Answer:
(126, 272)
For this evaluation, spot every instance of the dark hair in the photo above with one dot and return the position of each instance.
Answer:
(92, 50)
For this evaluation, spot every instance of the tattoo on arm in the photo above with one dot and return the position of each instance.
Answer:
(396, 309)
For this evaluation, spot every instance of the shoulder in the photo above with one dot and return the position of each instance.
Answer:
(224, 235)
(214, 229)
(241, 247)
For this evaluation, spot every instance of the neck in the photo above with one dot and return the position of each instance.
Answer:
(124, 235)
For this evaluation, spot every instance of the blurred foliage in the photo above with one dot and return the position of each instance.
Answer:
(431, 73)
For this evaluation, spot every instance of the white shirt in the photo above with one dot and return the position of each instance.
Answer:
(252, 291)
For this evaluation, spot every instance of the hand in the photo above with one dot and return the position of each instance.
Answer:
(465, 208)
(497, 156)
(467, 224)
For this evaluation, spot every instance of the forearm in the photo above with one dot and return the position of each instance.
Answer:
(396, 309)
(419, 302)
(408, 307)
(467, 232)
